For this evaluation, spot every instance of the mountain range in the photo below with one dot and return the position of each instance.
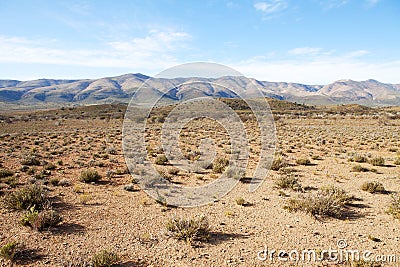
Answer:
(53, 92)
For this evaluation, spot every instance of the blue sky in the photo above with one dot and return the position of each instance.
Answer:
(306, 41)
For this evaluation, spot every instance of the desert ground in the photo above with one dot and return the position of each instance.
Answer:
(348, 155)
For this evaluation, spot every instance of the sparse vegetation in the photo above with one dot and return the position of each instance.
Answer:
(359, 168)
(105, 258)
(5, 173)
(220, 164)
(193, 229)
(90, 176)
(394, 207)
(240, 201)
(10, 251)
(279, 163)
(30, 161)
(25, 198)
(358, 158)
(161, 160)
(288, 182)
(303, 161)
(54, 181)
(378, 161)
(235, 173)
(85, 198)
(325, 136)
(42, 220)
(373, 187)
(326, 202)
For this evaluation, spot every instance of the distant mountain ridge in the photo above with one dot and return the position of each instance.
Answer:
(122, 88)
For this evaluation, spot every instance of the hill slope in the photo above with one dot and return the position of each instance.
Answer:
(50, 92)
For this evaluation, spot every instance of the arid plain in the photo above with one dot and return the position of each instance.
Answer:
(335, 178)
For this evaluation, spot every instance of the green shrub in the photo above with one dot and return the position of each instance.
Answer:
(189, 229)
(5, 173)
(394, 207)
(235, 173)
(373, 187)
(288, 182)
(30, 161)
(359, 158)
(240, 201)
(278, 163)
(397, 161)
(11, 181)
(359, 168)
(161, 160)
(326, 202)
(378, 161)
(90, 176)
(42, 220)
(26, 198)
(49, 166)
(54, 181)
(10, 251)
(105, 259)
(303, 161)
(220, 164)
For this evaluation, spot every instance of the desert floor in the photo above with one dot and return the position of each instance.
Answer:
(104, 215)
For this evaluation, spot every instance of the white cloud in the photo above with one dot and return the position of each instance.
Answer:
(357, 53)
(371, 3)
(320, 69)
(271, 6)
(329, 4)
(157, 49)
(305, 51)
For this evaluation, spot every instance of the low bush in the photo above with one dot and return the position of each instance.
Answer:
(190, 230)
(42, 220)
(5, 173)
(161, 160)
(10, 251)
(235, 173)
(288, 182)
(373, 187)
(90, 176)
(240, 201)
(358, 158)
(279, 163)
(105, 258)
(303, 161)
(30, 161)
(378, 161)
(359, 168)
(394, 207)
(326, 202)
(26, 198)
(220, 164)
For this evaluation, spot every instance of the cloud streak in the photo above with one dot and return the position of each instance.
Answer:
(319, 67)
(271, 7)
(371, 3)
(330, 4)
(158, 48)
